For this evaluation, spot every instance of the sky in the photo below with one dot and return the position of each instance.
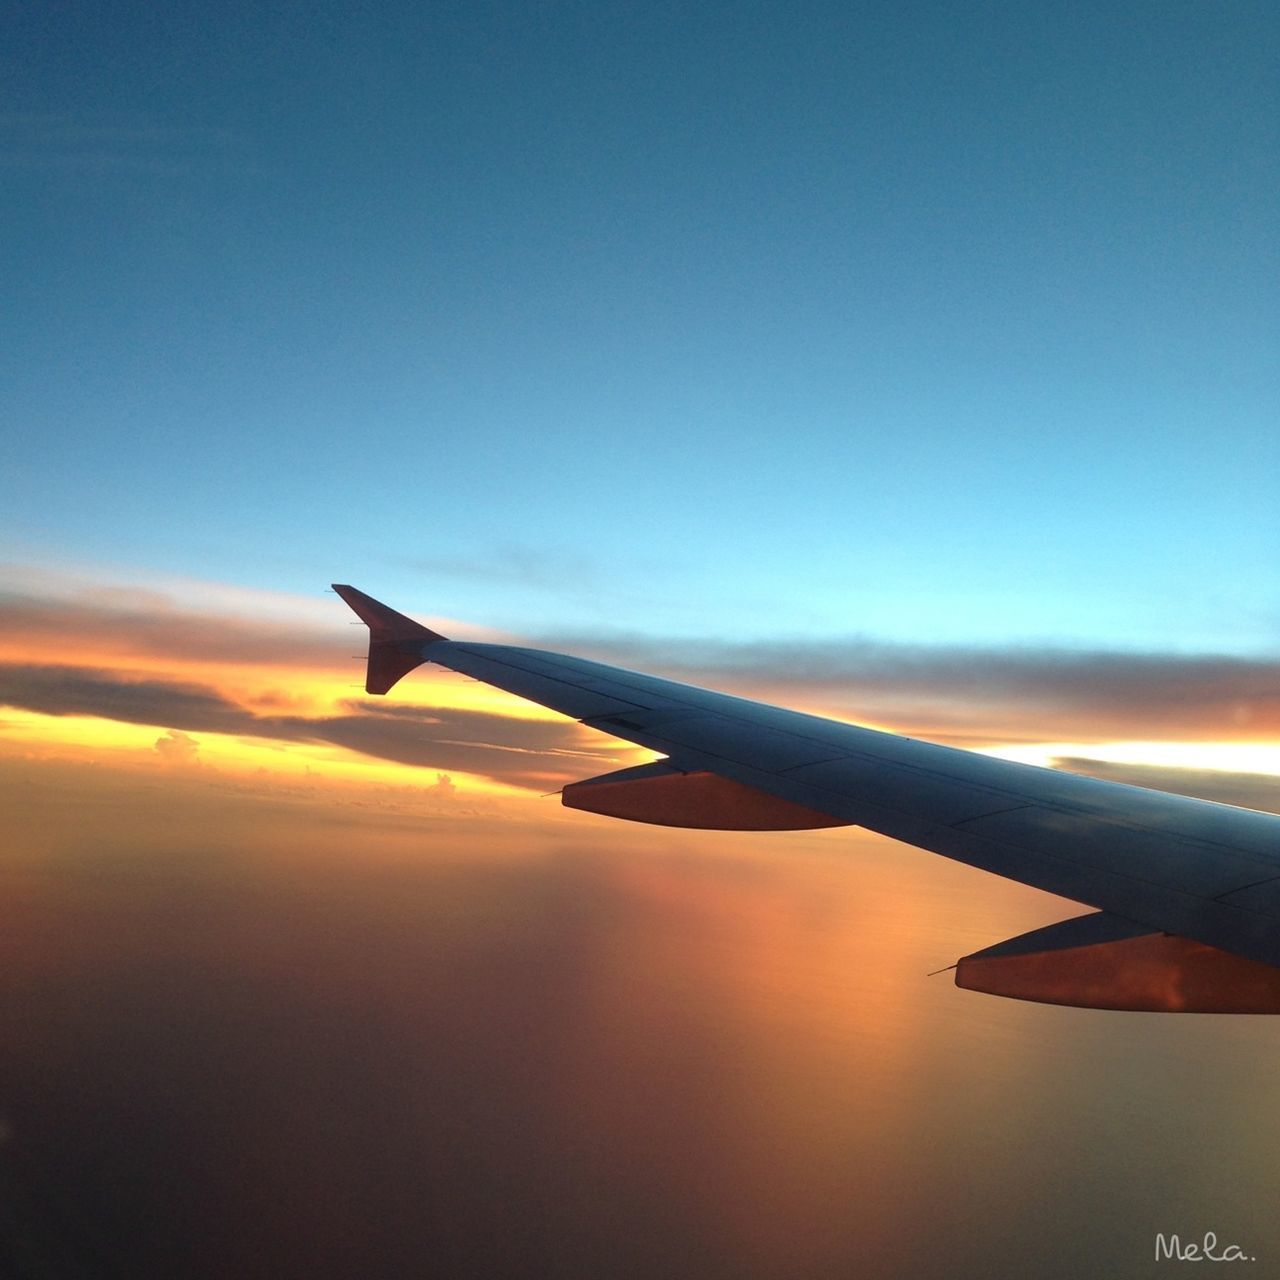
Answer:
(915, 365)
(911, 364)
(934, 325)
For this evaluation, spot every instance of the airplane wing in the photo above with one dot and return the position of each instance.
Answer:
(1186, 892)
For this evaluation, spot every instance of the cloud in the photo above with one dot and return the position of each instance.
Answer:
(78, 691)
(71, 656)
(958, 693)
(176, 747)
(535, 754)
(98, 621)
(444, 788)
(147, 625)
(538, 754)
(1042, 691)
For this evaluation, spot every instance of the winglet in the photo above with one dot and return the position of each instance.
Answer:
(395, 642)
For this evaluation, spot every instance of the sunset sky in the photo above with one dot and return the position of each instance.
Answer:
(914, 366)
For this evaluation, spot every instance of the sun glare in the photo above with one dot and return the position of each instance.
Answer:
(1224, 757)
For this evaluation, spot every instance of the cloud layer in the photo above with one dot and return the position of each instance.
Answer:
(1048, 693)
(536, 754)
(131, 658)
(144, 625)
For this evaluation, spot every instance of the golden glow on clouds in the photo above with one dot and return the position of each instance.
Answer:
(68, 736)
(246, 656)
(273, 657)
(92, 739)
(279, 686)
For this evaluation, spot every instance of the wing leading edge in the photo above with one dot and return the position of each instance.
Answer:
(1155, 864)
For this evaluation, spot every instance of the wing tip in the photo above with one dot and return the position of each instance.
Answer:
(396, 642)
(384, 622)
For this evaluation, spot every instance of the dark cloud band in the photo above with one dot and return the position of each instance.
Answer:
(537, 754)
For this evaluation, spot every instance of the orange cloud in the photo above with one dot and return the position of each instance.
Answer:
(263, 694)
(176, 747)
(143, 675)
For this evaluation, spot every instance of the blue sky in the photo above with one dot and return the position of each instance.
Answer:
(939, 324)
